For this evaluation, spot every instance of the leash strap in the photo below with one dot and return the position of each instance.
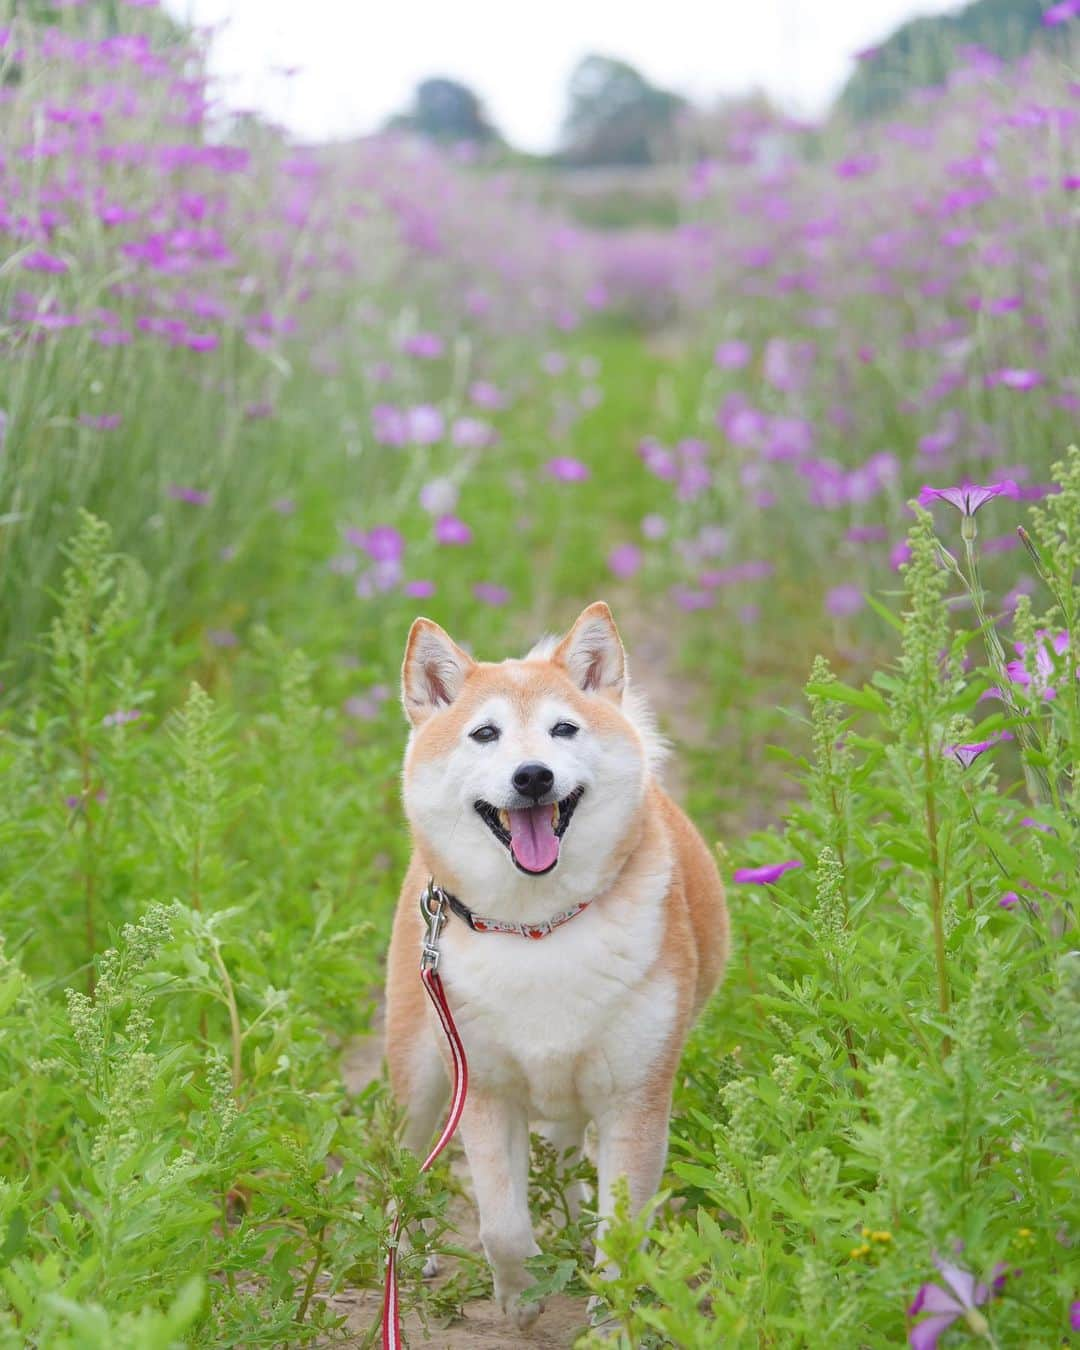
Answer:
(391, 1318)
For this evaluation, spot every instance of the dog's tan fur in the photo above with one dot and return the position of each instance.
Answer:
(656, 878)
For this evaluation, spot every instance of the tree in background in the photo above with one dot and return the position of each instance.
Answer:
(102, 18)
(446, 110)
(615, 116)
(923, 51)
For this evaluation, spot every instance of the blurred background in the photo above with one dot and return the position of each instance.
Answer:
(454, 312)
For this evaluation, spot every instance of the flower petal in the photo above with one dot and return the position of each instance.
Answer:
(932, 1298)
(963, 1284)
(764, 876)
(925, 1335)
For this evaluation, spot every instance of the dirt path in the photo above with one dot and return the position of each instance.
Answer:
(675, 699)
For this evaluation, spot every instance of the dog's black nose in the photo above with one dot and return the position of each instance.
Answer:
(533, 780)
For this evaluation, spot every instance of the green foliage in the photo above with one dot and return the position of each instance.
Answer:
(923, 51)
(446, 110)
(185, 1116)
(896, 1048)
(615, 115)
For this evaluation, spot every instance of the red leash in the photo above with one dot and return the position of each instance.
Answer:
(433, 908)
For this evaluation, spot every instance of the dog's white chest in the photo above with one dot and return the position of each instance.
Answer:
(571, 1019)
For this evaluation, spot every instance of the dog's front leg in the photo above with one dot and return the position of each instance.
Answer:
(495, 1133)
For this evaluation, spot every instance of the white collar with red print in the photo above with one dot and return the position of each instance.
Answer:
(479, 924)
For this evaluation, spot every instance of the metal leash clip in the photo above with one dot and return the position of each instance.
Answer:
(433, 908)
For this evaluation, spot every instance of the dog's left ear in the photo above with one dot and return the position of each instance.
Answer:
(592, 652)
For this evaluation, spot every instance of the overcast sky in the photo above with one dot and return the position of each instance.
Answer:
(358, 60)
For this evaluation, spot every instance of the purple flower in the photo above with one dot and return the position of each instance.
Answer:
(1045, 652)
(193, 496)
(624, 561)
(426, 345)
(653, 526)
(491, 594)
(1058, 14)
(970, 498)
(689, 598)
(486, 395)
(389, 425)
(1009, 900)
(856, 166)
(425, 424)
(472, 433)
(121, 717)
(962, 1298)
(382, 544)
(764, 876)
(844, 601)
(222, 637)
(732, 355)
(1014, 378)
(787, 364)
(966, 755)
(419, 590)
(100, 422)
(1074, 1314)
(451, 530)
(40, 261)
(564, 469)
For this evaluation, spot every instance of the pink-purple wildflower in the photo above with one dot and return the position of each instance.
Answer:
(565, 469)
(970, 497)
(452, 530)
(961, 1297)
(766, 875)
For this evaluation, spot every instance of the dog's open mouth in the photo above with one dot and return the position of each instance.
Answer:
(533, 833)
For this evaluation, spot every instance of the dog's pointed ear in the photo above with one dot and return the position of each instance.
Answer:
(433, 672)
(592, 652)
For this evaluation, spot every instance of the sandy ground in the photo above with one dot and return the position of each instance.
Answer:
(675, 699)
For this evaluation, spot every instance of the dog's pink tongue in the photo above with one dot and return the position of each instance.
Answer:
(532, 837)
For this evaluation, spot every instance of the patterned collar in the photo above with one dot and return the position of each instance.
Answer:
(479, 924)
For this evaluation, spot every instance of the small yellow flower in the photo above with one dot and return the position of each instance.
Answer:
(882, 1235)
(1024, 1232)
(866, 1232)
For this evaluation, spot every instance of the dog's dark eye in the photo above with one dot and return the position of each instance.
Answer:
(564, 729)
(485, 733)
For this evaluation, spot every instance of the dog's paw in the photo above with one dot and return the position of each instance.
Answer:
(431, 1266)
(525, 1314)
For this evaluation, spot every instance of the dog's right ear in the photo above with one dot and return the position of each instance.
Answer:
(433, 672)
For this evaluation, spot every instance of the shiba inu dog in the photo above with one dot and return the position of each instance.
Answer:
(588, 927)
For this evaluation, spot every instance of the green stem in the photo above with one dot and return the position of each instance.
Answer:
(937, 899)
(236, 1032)
(313, 1271)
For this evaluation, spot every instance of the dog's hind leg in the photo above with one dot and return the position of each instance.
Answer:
(566, 1137)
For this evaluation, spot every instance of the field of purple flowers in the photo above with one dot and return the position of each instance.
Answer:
(260, 404)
